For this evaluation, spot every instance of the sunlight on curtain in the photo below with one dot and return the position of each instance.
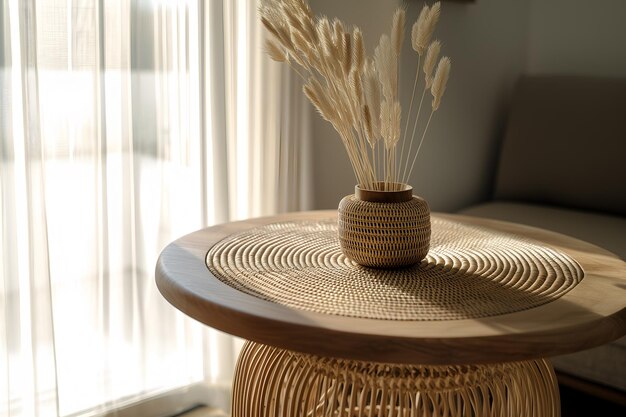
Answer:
(124, 125)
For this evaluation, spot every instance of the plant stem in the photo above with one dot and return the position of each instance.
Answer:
(417, 116)
(297, 72)
(408, 115)
(381, 161)
(420, 145)
(374, 163)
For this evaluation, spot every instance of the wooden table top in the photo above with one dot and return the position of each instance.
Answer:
(589, 312)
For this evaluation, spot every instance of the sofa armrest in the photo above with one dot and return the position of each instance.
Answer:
(565, 144)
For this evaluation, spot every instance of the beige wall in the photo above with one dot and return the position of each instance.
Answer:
(577, 37)
(487, 42)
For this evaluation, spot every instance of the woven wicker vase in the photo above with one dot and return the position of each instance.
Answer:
(384, 229)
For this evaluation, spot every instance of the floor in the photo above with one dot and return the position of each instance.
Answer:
(575, 403)
(202, 412)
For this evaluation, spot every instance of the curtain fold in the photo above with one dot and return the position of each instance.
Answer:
(124, 125)
(26, 299)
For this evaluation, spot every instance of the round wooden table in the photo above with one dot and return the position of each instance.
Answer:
(461, 334)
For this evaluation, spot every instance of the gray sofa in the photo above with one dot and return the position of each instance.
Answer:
(562, 166)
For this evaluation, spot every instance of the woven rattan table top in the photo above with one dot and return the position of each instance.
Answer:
(488, 291)
(470, 272)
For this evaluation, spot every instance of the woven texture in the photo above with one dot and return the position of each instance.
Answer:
(274, 382)
(470, 272)
(384, 235)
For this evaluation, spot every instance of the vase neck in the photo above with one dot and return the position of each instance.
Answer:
(403, 194)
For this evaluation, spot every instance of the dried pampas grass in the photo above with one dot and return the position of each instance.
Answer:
(359, 48)
(440, 81)
(356, 94)
(372, 97)
(424, 28)
(397, 30)
(387, 67)
(415, 31)
(347, 53)
(356, 86)
(429, 63)
(274, 51)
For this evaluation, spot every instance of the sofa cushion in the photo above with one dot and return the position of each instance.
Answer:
(565, 144)
(604, 364)
(606, 231)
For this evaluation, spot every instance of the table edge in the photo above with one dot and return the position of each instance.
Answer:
(507, 337)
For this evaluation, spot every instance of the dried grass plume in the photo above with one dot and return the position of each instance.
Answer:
(431, 60)
(397, 30)
(440, 81)
(425, 29)
(357, 93)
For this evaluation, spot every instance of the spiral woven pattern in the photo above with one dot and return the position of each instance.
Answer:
(384, 235)
(470, 272)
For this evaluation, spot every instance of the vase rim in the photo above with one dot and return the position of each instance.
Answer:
(385, 196)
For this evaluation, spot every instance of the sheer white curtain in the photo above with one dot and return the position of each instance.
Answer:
(123, 125)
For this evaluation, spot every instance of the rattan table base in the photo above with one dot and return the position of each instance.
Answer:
(273, 382)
